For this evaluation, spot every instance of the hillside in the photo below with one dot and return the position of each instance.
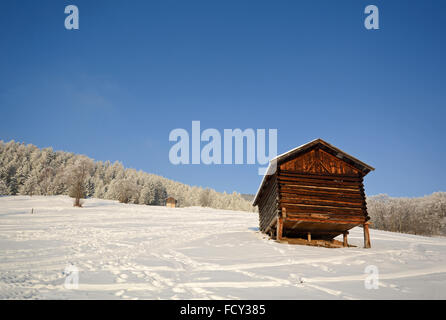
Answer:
(126, 251)
(28, 170)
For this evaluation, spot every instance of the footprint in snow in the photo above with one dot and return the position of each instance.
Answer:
(119, 293)
(178, 290)
(122, 278)
(138, 274)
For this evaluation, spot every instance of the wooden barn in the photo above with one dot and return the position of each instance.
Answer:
(171, 202)
(313, 193)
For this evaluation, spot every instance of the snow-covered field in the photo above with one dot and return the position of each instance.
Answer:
(144, 252)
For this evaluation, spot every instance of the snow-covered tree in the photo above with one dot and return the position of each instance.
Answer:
(205, 198)
(3, 188)
(77, 175)
(30, 186)
(123, 190)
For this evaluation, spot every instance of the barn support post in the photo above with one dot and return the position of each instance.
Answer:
(345, 243)
(366, 236)
(279, 228)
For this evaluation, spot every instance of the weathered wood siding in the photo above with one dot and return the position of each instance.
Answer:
(268, 204)
(319, 187)
(317, 192)
(317, 196)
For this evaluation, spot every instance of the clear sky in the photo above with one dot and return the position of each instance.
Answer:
(135, 70)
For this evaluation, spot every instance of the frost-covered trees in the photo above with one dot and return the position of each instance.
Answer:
(147, 195)
(30, 185)
(28, 170)
(160, 194)
(205, 198)
(3, 188)
(77, 175)
(153, 193)
(123, 190)
(424, 216)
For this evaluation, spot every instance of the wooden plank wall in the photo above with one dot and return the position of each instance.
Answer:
(334, 197)
(322, 193)
(268, 203)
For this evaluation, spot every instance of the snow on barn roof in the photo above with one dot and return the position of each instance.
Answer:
(294, 152)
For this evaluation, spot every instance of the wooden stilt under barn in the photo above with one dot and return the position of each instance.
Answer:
(313, 193)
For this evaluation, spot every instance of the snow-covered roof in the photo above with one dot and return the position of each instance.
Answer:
(275, 161)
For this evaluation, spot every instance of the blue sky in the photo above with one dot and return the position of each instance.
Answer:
(135, 70)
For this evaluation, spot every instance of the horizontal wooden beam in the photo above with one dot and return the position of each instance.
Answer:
(323, 202)
(313, 232)
(320, 176)
(320, 187)
(353, 195)
(338, 197)
(324, 216)
(356, 222)
(318, 182)
(304, 208)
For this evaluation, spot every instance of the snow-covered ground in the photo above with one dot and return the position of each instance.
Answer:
(146, 252)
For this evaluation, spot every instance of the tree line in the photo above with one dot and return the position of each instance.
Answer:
(29, 170)
(422, 216)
